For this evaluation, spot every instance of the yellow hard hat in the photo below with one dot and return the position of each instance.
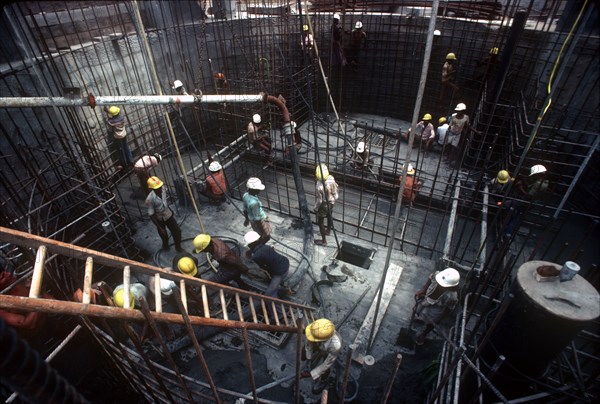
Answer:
(451, 56)
(114, 111)
(442, 120)
(119, 297)
(201, 242)
(319, 330)
(427, 117)
(305, 27)
(494, 51)
(154, 183)
(187, 266)
(502, 177)
(321, 172)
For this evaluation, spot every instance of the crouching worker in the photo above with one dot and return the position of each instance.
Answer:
(322, 350)
(436, 299)
(265, 256)
(230, 267)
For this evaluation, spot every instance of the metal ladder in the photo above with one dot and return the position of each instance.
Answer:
(239, 309)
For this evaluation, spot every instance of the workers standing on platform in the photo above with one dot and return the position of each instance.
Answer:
(215, 186)
(142, 168)
(448, 76)
(436, 299)
(230, 266)
(258, 136)
(254, 215)
(322, 349)
(325, 198)
(116, 120)
(161, 215)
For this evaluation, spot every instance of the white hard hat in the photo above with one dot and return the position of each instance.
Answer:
(256, 118)
(537, 169)
(214, 166)
(360, 147)
(293, 124)
(358, 25)
(166, 287)
(437, 32)
(177, 84)
(411, 169)
(448, 277)
(461, 107)
(255, 183)
(251, 237)
(336, 16)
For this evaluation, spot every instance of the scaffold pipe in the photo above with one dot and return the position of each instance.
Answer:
(92, 101)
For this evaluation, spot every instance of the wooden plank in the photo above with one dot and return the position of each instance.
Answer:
(38, 272)
(87, 281)
(362, 337)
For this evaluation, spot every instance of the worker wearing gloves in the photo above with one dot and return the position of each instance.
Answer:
(161, 215)
(254, 214)
(230, 266)
(436, 299)
(322, 349)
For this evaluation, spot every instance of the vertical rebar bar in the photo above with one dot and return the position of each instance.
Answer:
(190, 329)
(347, 365)
(249, 362)
(392, 379)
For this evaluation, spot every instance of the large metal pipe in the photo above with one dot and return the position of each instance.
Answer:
(92, 101)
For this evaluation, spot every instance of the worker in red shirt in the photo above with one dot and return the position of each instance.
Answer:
(215, 186)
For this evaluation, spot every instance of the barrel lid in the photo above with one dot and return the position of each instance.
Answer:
(575, 300)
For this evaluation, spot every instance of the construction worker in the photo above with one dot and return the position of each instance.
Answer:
(533, 186)
(325, 198)
(185, 263)
(448, 76)
(337, 49)
(267, 258)
(179, 88)
(436, 299)
(361, 156)
(161, 215)
(425, 132)
(20, 319)
(501, 204)
(296, 136)
(491, 64)
(230, 266)
(215, 186)
(116, 120)
(307, 42)
(221, 81)
(441, 132)
(458, 127)
(254, 215)
(136, 290)
(142, 168)
(411, 186)
(358, 39)
(322, 349)
(259, 137)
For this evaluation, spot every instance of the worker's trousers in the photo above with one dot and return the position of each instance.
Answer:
(171, 223)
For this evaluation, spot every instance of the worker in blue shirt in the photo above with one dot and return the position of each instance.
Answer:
(254, 214)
